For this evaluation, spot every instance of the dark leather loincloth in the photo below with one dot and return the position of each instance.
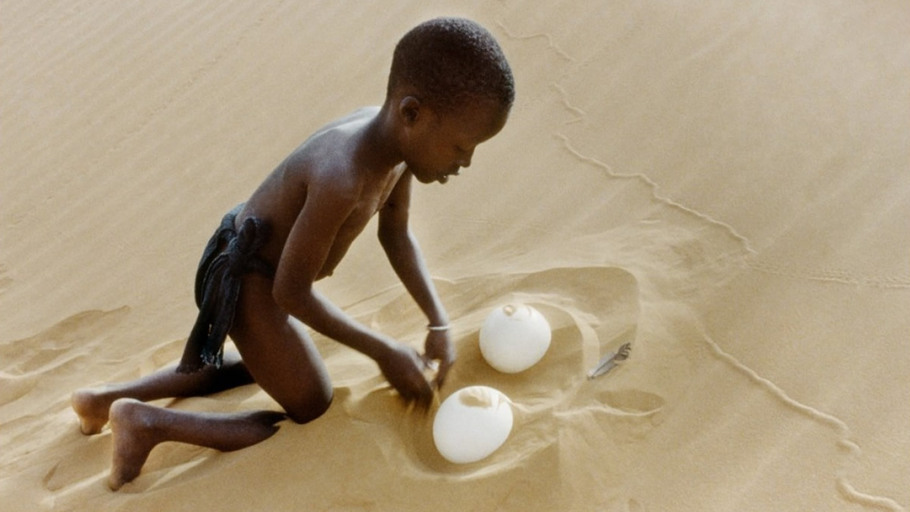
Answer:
(229, 254)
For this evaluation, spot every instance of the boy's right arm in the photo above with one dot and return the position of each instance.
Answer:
(306, 250)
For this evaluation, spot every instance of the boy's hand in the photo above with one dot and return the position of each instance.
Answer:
(403, 368)
(438, 347)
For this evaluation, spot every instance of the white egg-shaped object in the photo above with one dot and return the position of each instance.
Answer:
(472, 423)
(514, 337)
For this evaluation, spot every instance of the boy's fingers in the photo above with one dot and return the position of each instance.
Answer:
(430, 368)
(423, 392)
(442, 372)
(424, 397)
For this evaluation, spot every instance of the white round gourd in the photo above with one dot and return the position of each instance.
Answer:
(514, 337)
(472, 423)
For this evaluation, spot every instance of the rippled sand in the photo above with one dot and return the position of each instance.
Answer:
(722, 185)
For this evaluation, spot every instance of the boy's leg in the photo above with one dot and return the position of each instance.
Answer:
(277, 353)
(93, 404)
(138, 427)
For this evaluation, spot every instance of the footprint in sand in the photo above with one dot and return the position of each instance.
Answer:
(630, 402)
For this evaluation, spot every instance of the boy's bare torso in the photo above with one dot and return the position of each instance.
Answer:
(331, 159)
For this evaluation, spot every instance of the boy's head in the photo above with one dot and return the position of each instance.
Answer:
(447, 63)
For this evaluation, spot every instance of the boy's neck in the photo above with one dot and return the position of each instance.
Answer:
(379, 145)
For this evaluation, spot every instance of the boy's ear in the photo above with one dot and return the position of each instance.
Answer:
(409, 109)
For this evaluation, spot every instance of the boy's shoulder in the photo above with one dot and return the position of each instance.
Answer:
(339, 131)
(326, 156)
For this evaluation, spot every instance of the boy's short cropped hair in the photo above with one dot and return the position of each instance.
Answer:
(451, 61)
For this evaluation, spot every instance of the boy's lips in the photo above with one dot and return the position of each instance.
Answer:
(445, 176)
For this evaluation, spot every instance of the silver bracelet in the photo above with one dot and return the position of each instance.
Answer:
(438, 327)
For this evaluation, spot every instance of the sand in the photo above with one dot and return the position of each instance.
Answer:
(724, 185)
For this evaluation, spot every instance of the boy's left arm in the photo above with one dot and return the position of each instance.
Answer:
(404, 254)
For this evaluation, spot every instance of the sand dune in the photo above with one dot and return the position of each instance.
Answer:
(724, 185)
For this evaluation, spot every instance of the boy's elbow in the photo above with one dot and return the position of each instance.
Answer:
(394, 240)
(384, 234)
(387, 241)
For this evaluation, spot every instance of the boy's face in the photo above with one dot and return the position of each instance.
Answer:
(440, 144)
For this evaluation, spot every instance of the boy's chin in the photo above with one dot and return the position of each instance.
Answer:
(425, 177)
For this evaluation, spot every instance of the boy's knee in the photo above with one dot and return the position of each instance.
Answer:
(311, 405)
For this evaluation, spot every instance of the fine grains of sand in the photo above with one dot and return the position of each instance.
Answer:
(724, 186)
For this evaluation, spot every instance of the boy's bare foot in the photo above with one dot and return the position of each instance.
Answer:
(134, 438)
(92, 408)
(138, 427)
